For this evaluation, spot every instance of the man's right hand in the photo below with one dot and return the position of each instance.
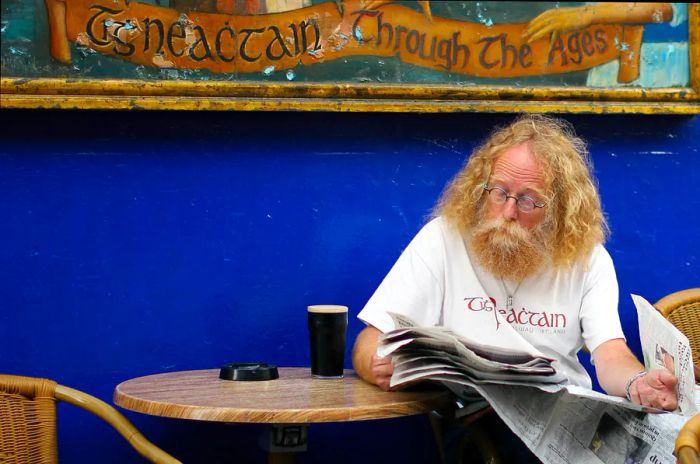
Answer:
(367, 364)
(382, 368)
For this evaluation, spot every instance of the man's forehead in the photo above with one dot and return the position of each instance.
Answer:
(518, 164)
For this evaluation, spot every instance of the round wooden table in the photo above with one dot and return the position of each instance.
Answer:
(294, 398)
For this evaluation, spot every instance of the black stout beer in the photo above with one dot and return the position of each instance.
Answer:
(327, 327)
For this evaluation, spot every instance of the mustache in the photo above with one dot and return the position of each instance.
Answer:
(499, 228)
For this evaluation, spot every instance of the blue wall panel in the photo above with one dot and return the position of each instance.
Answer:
(143, 242)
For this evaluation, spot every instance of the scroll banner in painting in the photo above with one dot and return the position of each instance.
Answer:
(162, 37)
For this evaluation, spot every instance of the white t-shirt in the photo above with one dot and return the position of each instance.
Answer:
(434, 282)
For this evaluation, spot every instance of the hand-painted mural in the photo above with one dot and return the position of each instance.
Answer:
(351, 41)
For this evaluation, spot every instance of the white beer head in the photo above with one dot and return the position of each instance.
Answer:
(327, 309)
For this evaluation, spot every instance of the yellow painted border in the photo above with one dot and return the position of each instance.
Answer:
(18, 92)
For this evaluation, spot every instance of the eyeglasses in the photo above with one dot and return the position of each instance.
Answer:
(500, 196)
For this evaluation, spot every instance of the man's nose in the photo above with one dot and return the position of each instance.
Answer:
(510, 209)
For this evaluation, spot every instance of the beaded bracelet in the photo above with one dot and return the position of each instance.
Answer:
(632, 379)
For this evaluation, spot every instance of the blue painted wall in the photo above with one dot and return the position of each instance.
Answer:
(142, 242)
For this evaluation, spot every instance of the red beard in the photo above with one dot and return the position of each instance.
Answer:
(508, 250)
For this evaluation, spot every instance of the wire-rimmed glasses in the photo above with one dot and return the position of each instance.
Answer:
(524, 203)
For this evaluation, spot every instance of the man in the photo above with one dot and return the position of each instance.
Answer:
(519, 232)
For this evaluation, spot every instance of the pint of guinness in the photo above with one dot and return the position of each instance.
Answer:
(327, 327)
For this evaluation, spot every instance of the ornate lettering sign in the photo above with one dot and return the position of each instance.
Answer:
(162, 37)
(352, 55)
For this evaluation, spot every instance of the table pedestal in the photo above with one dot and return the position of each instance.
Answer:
(283, 441)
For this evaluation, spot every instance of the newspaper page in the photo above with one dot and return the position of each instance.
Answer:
(436, 353)
(565, 428)
(560, 423)
(664, 346)
(506, 340)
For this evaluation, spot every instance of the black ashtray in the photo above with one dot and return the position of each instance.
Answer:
(248, 371)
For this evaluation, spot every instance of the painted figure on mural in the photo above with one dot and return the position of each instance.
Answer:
(520, 226)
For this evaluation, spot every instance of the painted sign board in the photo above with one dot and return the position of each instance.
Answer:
(351, 55)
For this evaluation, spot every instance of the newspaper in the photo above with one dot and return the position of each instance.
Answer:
(559, 422)
(565, 428)
(420, 353)
(663, 345)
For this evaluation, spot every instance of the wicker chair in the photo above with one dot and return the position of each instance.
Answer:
(688, 442)
(682, 308)
(28, 421)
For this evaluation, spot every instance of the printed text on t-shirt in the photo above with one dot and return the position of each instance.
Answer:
(515, 316)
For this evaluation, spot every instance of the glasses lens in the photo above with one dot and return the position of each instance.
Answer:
(526, 204)
(498, 195)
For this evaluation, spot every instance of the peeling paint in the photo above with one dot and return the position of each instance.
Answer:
(358, 34)
(188, 26)
(160, 61)
(315, 53)
(622, 46)
(83, 40)
(338, 40)
(488, 22)
(125, 31)
(17, 51)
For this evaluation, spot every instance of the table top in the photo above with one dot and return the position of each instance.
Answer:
(295, 397)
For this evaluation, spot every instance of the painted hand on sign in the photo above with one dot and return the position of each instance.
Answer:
(632, 16)
(561, 20)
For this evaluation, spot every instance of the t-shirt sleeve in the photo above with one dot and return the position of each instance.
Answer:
(600, 320)
(414, 286)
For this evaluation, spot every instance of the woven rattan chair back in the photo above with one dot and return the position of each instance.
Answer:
(682, 309)
(28, 421)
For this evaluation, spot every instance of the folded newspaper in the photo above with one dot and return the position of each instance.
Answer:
(559, 422)
(437, 353)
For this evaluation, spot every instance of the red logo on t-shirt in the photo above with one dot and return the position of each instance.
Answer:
(514, 316)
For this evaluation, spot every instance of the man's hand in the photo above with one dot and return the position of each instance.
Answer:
(382, 368)
(656, 389)
(616, 365)
(367, 364)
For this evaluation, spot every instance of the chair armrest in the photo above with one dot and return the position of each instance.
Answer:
(682, 297)
(106, 412)
(687, 447)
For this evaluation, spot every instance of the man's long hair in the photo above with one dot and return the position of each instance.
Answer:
(573, 210)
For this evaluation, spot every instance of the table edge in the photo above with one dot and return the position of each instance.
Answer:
(433, 400)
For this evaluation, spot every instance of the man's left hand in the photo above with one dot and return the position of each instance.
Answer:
(656, 389)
